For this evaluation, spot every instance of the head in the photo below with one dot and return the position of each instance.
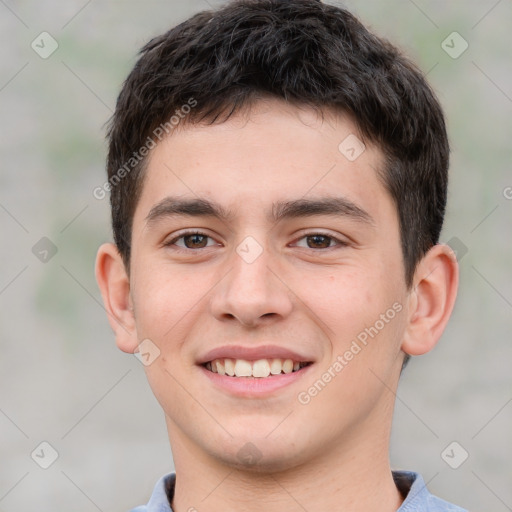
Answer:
(272, 111)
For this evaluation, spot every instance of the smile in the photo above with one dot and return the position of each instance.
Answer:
(261, 368)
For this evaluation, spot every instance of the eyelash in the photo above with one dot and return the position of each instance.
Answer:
(172, 242)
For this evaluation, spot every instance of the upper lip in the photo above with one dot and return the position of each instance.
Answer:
(253, 353)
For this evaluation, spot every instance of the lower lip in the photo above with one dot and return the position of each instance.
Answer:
(255, 386)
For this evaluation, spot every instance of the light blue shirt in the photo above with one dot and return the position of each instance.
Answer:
(410, 484)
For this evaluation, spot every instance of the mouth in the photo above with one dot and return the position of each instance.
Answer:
(257, 369)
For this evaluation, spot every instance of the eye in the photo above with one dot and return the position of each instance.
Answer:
(191, 240)
(321, 241)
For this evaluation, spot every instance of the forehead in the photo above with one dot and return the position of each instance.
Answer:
(273, 154)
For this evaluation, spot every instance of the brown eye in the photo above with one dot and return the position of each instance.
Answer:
(195, 241)
(190, 240)
(319, 241)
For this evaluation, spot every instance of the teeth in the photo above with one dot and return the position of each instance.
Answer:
(261, 368)
(288, 366)
(220, 367)
(276, 366)
(243, 368)
(229, 366)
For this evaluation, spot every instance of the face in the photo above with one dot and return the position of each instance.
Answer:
(260, 247)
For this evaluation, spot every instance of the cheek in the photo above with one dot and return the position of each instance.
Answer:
(363, 308)
(164, 301)
(346, 301)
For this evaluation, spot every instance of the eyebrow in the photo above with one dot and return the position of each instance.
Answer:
(339, 206)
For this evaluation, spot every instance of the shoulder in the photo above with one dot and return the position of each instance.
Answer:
(417, 496)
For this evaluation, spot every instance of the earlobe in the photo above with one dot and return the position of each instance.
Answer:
(431, 300)
(114, 285)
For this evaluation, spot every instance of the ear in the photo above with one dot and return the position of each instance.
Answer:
(431, 299)
(114, 285)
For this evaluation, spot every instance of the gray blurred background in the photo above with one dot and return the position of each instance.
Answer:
(62, 379)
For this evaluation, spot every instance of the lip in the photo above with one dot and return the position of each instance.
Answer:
(255, 387)
(253, 354)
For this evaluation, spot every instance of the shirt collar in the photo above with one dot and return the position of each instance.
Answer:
(410, 484)
(162, 494)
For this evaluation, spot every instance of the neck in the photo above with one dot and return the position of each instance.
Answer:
(352, 477)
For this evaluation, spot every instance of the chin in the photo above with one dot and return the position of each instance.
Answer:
(259, 455)
(264, 464)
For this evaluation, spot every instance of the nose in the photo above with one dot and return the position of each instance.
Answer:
(253, 291)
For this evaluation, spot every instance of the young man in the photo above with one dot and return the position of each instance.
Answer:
(278, 181)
